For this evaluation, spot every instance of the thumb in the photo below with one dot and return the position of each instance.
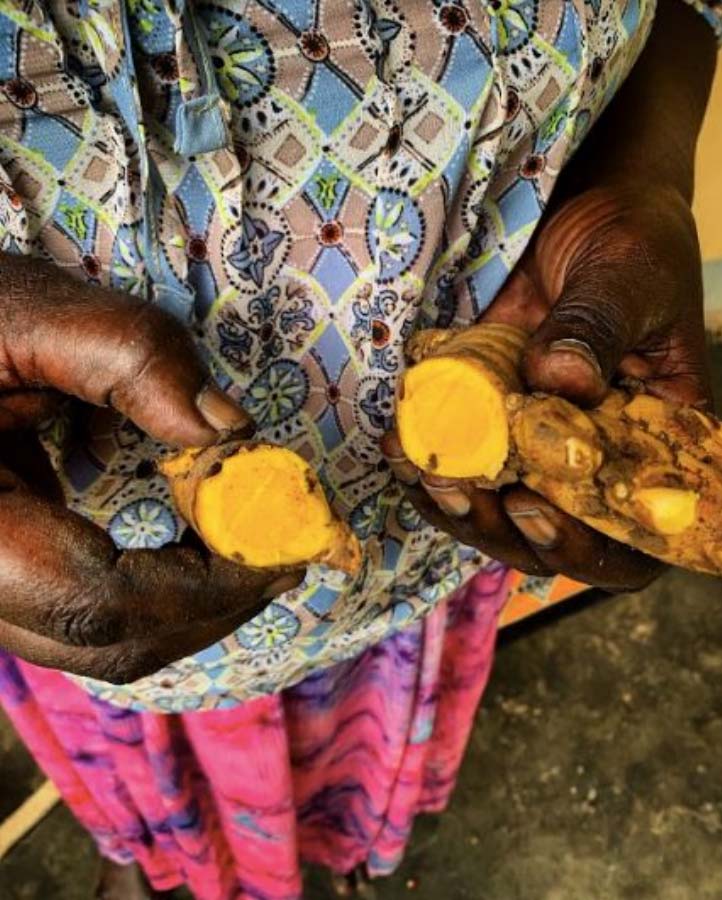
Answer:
(108, 348)
(599, 316)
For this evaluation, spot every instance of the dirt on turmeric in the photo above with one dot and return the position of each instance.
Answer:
(638, 469)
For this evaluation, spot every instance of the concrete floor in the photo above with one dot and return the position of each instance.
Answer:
(594, 770)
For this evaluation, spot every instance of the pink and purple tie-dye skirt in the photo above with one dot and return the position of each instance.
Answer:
(231, 802)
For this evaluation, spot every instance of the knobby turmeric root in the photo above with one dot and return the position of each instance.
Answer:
(260, 505)
(638, 469)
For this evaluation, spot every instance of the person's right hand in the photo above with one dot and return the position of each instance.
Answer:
(610, 283)
(68, 598)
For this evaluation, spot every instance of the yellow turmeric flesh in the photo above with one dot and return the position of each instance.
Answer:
(670, 510)
(638, 469)
(457, 396)
(451, 409)
(261, 506)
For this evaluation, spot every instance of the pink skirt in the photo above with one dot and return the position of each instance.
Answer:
(231, 802)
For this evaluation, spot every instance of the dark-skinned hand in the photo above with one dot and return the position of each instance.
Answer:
(68, 598)
(611, 285)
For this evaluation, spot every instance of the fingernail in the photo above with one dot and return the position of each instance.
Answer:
(405, 472)
(391, 446)
(283, 584)
(449, 499)
(579, 348)
(453, 503)
(536, 527)
(221, 412)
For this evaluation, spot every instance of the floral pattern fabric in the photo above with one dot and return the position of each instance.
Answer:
(303, 182)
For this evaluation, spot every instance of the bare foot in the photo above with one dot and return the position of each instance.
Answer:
(117, 882)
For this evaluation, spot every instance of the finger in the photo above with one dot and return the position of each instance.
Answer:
(568, 546)
(186, 585)
(674, 366)
(22, 454)
(124, 662)
(500, 539)
(23, 409)
(107, 348)
(476, 519)
(608, 296)
(62, 577)
(520, 303)
(447, 495)
(404, 470)
(486, 527)
(580, 344)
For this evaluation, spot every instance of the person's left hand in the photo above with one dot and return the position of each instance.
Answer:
(611, 284)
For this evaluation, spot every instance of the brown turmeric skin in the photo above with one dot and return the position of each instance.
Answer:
(638, 469)
(259, 505)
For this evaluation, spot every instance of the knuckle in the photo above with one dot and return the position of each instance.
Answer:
(157, 335)
(149, 324)
(598, 318)
(597, 310)
(157, 347)
(85, 622)
(146, 346)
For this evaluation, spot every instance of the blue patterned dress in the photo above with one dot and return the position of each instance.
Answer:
(302, 182)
